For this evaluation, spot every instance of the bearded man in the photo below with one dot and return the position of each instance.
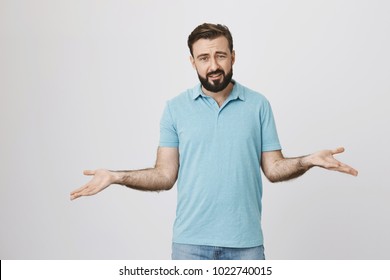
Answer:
(215, 139)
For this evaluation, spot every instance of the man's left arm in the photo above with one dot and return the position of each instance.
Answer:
(277, 168)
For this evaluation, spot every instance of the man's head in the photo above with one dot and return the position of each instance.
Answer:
(209, 31)
(212, 55)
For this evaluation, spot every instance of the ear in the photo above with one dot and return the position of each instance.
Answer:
(233, 56)
(192, 60)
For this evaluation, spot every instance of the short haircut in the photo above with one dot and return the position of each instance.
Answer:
(210, 31)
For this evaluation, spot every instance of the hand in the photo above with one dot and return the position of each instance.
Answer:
(101, 179)
(326, 160)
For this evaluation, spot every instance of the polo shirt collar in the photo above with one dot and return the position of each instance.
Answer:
(236, 93)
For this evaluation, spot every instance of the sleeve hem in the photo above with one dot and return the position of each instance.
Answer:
(169, 144)
(272, 147)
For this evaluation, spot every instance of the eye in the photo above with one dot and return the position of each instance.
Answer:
(203, 58)
(221, 56)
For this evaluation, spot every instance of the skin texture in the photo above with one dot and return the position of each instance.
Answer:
(209, 56)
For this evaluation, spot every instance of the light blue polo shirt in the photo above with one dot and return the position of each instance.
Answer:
(219, 185)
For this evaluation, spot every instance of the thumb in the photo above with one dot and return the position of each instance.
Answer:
(338, 150)
(89, 172)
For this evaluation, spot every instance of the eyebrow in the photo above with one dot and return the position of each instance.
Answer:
(221, 52)
(206, 54)
(202, 55)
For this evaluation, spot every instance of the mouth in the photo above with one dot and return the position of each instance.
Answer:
(215, 76)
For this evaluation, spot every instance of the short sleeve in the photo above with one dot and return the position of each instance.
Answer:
(269, 135)
(168, 133)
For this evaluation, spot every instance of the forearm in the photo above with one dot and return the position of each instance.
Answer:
(285, 169)
(151, 179)
(277, 168)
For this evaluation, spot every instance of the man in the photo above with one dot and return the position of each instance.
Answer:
(214, 139)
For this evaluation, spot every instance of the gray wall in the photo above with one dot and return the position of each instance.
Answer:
(83, 85)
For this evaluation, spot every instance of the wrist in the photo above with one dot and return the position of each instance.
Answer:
(306, 162)
(116, 177)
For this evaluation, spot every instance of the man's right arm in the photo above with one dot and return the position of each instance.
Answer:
(162, 177)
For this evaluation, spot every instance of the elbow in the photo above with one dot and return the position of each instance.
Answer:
(272, 173)
(167, 177)
(169, 182)
(272, 177)
(169, 185)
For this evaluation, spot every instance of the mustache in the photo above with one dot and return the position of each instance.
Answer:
(219, 71)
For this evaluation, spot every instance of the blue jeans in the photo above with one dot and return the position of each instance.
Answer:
(201, 252)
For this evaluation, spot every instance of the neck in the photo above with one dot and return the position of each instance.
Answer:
(219, 96)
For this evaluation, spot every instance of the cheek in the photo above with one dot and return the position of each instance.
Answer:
(227, 67)
(201, 70)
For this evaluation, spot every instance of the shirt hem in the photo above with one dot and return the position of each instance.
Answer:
(220, 244)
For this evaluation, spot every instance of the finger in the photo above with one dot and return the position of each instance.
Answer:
(350, 170)
(336, 165)
(80, 189)
(338, 150)
(346, 169)
(85, 191)
(77, 195)
(89, 172)
(354, 172)
(74, 196)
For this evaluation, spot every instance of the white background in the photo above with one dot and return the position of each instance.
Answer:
(83, 84)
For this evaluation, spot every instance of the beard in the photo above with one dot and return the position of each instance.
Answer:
(216, 86)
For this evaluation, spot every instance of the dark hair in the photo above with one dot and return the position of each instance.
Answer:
(209, 31)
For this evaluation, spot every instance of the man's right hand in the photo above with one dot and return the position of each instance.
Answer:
(102, 178)
(162, 177)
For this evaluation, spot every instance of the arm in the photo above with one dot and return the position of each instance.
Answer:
(162, 177)
(277, 168)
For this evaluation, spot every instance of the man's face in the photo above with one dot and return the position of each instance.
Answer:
(213, 61)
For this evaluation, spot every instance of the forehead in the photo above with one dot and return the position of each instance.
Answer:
(210, 45)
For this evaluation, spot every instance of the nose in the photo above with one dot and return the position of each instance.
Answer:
(213, 64)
